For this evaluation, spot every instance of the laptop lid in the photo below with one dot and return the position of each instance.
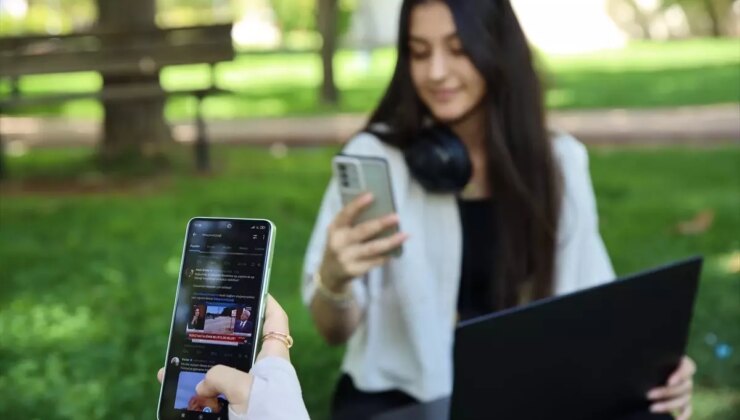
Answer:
(592, 354)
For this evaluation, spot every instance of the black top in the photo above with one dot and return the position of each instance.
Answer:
(475, 295)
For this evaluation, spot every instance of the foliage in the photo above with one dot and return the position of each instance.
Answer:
(702, 17)
(300, 15)
(295, 15)
(88, 279)
(705, 16)
(61, 16)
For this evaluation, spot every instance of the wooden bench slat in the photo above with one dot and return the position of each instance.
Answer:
(209, 31)
(139, 51)
(114, 93)
(137, 61)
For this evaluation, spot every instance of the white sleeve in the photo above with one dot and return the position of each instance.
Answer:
(276, 393)
(595, 265)
(582, 260)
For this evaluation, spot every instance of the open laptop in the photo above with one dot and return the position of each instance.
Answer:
(592, 354)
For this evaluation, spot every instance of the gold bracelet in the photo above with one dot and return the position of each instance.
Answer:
(282, 337)
(341, 299)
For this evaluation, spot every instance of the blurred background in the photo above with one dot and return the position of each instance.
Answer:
(119, 121)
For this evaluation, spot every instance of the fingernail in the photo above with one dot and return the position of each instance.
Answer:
(655, 408)
(652, 394)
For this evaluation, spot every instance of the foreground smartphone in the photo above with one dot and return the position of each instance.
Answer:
(219, 308)
(359, 174)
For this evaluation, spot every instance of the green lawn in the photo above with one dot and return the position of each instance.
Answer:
(88, 280)
(646, 74)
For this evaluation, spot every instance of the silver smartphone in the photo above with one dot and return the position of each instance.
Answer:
(357, 175)
(219, 308)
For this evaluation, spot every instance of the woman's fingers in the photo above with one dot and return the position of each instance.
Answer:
(671, 405)
(366, 265)
(685, 414)
(369, 229)
(377, 247)
(276, 320)
(234, 384)
(686, 370)
(351, 210)
(676, 395)
(673, 391)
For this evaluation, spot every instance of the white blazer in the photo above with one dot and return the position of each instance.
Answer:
(405, 339)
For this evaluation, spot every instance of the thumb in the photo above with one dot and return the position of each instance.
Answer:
(234, 384)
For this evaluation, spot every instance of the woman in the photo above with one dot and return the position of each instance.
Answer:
(197, 322)
(522, 227)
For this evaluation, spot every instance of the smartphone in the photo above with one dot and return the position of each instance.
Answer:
(219, 309)
(357, 175)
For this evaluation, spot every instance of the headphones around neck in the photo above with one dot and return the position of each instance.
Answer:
(439, 160)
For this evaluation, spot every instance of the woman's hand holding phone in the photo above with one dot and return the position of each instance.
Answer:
(239, 387)
(351, 250)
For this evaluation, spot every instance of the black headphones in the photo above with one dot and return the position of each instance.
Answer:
(439, 160)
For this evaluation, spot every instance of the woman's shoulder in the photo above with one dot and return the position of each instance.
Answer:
(570, 153)
(366, 143)
(578, 201)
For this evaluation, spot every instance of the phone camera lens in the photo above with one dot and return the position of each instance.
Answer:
(228, 225)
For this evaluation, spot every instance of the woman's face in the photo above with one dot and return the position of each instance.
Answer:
(444, 78)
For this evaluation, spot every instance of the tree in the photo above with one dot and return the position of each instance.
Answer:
(713, 11)
(132, 129)
(327, 18)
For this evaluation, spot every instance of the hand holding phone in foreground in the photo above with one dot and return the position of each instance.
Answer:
(270, 391)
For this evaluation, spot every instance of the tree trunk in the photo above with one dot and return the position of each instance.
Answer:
(714, 18)
(136, 128)
(641, 19)
(327, 24)
(2, 157)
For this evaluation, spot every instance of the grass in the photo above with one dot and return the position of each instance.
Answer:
(88, 279)
(645, 74)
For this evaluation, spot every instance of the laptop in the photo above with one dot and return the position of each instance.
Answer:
(592, 354)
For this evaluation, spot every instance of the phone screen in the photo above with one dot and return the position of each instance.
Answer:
(223, 280)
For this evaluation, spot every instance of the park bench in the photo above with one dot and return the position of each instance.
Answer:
(133, 52)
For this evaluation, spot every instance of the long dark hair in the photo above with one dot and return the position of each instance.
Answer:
(521, 168)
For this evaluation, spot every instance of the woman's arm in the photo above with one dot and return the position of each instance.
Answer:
(336, 320)
(350, 252)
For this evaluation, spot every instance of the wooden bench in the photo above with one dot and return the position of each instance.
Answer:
(140, 52)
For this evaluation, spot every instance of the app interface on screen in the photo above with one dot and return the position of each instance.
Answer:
(217, 309)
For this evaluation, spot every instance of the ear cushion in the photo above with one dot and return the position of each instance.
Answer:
(439, 160)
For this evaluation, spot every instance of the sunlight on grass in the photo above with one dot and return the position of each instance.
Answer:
(644, 74)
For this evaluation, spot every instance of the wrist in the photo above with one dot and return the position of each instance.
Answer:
(340, 296)
(332, 283)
